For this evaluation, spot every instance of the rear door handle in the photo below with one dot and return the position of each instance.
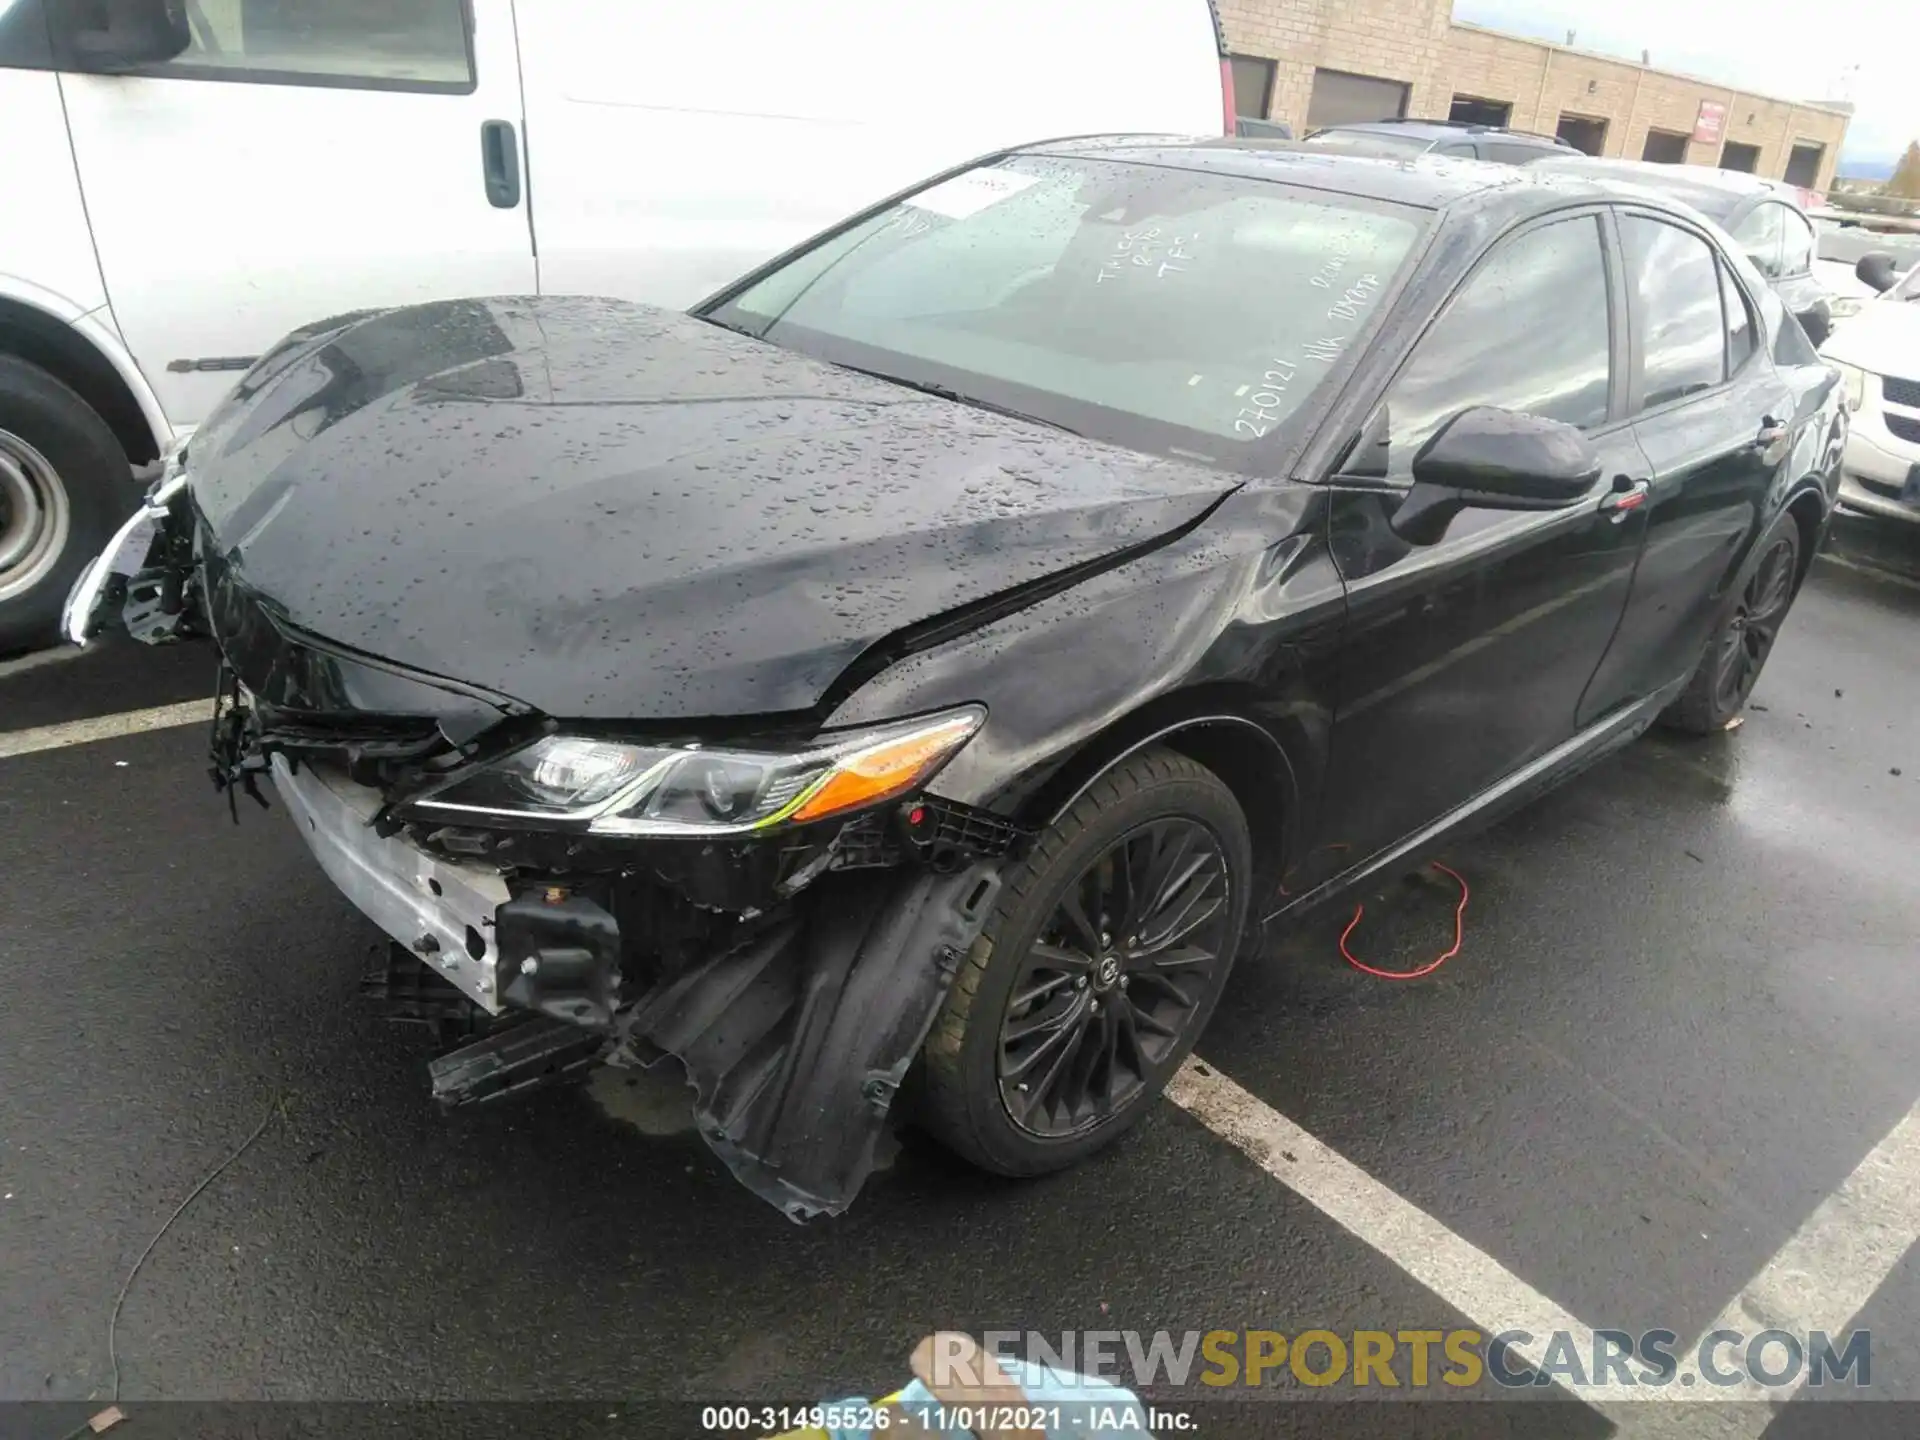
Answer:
(500, 163)
(1625, 498)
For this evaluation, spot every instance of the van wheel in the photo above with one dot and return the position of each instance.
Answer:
(64, 484)
(1744, 637)
(1106, 954)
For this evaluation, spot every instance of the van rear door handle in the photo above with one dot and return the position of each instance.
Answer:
(500, 163)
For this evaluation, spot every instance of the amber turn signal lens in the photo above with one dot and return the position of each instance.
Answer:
(886, 768)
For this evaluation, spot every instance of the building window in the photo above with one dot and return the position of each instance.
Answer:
(1586, 133)
(1472, 110)
(1343, 99)
(1252, 86)
(1803, 165)
(1665, 147)
(1736, 156)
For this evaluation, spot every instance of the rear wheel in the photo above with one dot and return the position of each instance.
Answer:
(64, 485)
(1106, 955)
(1740, 646)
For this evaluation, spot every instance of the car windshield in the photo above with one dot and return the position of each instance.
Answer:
(1169, 310)
(1371, 142)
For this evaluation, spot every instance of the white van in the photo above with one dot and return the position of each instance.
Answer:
(184, 181)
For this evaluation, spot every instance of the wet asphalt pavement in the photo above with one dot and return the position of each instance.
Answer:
(1685, 1009)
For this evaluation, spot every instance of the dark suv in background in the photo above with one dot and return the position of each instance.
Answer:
(1441, 137)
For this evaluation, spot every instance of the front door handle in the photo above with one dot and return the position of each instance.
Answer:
(1626, 497)
(1772, 432)
(500, 163)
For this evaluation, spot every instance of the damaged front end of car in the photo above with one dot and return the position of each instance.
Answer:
(780, 911)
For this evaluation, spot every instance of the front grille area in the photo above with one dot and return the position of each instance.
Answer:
(1906, 427)
(1900, 392)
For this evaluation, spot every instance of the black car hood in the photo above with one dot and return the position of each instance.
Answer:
(609, 511)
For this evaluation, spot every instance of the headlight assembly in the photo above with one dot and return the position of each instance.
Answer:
(1853, 383)
(611, 787)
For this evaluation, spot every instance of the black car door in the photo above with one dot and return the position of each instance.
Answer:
(1712, 415)
(1465, 659)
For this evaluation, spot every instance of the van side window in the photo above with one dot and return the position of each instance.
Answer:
(23, 37)
(381, 44)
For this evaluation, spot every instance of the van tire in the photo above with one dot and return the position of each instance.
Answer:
(65, 483)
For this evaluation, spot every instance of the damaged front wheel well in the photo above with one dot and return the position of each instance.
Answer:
(1237, 749)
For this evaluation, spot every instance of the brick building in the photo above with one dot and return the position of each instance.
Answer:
(1322, 62)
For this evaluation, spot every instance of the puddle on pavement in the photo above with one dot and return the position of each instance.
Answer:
(654, 1102)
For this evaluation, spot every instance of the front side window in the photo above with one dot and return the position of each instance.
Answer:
(1529, 330)
(1762, 237)
(1684, 343)
(1170, 310)
(409, 44)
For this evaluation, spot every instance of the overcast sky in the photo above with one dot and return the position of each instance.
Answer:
(1823, 51)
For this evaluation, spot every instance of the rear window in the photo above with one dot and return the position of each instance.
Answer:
(1371, 142)
(1169, 310)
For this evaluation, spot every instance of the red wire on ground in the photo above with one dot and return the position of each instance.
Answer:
(1459, 932)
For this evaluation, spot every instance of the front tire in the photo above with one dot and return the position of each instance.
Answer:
(1105, 957)
(1744, 638)
(64, 485)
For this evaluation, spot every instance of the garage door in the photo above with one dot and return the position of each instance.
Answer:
(1343, 99)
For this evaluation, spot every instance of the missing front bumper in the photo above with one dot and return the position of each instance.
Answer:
(442, 911)
(795, 1034)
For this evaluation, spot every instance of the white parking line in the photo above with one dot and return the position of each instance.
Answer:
(1459, 1272)
(60, 655)
(104, 727)
(1824, 1275)
(1819, 1281)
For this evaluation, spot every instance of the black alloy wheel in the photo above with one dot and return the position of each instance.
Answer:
(1104, 957)
(1749, 634)
(1749, 626)
(1116, 977)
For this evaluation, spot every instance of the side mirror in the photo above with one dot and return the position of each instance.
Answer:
(110, 35)
(1493, 459)
(1876, 271)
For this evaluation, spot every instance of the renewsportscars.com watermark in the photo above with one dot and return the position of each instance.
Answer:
(1378, 1360)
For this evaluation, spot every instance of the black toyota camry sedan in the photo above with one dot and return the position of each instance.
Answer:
(917, 672)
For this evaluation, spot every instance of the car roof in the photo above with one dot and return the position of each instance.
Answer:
(1431, 182)
(1714, 193)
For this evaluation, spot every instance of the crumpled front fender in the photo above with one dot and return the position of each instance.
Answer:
(796, 1042)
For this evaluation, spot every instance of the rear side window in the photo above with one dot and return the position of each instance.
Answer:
(1529, 330)
(1796, 251)
(1683, 344)
(1761, 237)
(1739, 322)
